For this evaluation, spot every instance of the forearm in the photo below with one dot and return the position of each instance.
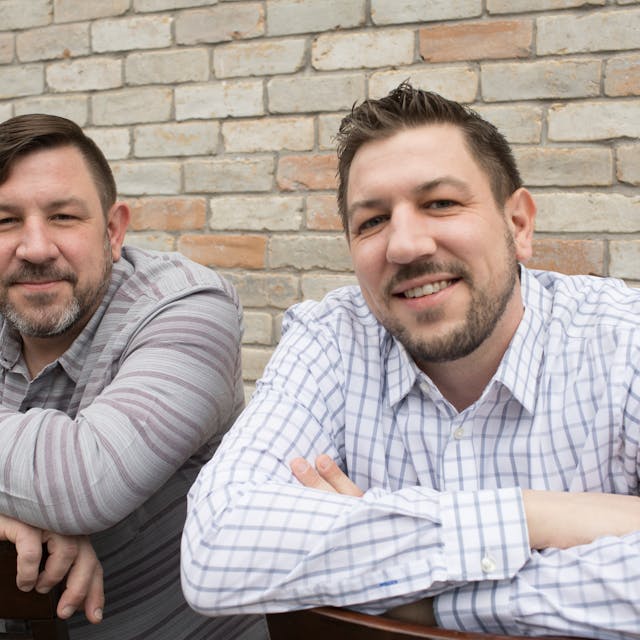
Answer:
(588, 591)
(172, 393)
(297, 547)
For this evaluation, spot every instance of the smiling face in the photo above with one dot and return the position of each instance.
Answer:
(56, 245)
(435, 256)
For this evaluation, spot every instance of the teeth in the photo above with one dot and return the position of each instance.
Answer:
(427, 290)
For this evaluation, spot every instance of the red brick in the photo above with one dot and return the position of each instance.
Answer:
(227, 252)
(576, 256)
(168, 214)
(322, 213)
(477, 40)
(307, 172)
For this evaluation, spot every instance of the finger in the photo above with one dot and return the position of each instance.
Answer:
(63, 551)
(308, 476)
(28, 541)
(84, 586)
(331, 473)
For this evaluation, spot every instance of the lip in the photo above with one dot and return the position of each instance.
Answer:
(414, 283)
(39, 286)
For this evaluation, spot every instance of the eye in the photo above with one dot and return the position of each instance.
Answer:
(6, 221)
(63, 217)
(371, 223)
(439, 204)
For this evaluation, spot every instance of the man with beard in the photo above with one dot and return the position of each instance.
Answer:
(120, 373)
(458, 431)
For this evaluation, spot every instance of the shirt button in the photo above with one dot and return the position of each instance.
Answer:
(488, 564)
(458, 434)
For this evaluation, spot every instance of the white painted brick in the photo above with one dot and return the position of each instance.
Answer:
(518, 123)
(115, 142)
(21, 14)
(229, 174)
(87, 74)
(594, 120)
(131, 106)
(522, 6)
(259, 58)
(310, 16)
(629, 163)
(256, 213)
(147, 32)
(315, 286)
(6, 48)
(143, 6)
(265, 289)
(298, 94)
(457, 82)
(219, 100)
(5, 112)
(622, 75)
(48, 43)
(254, 360)
(397, 11)
(258, 328)
(565, 167)
(220, 23)
(167, 67)
(156, 241)
(268, 134)
(24, 80)
(75, 10)
(387, 47)
(176, 139)
(564, 212)
(595, 31)
(328, 252)
(74, 108)
(624, 259)
(327, 128)
(541, 79)
(147, 178)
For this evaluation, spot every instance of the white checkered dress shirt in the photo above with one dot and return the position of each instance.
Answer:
(442, 513)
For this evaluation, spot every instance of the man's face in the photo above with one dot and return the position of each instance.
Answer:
(56, 248)
(435, 256)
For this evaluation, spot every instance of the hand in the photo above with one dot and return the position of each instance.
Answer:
(71, 556)
(327, 476)
(564, 519)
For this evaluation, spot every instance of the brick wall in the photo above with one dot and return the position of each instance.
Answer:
(218, 116)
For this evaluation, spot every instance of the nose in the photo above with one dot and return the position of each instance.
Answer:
(36, 244)
(410, 235)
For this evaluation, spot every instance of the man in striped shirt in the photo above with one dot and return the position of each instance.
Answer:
(472, 427)
(120, 373)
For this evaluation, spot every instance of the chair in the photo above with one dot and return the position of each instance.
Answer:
(26, 615)
(331, 623)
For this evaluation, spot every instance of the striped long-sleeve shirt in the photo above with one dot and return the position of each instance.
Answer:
(442, 513)
(107, 439)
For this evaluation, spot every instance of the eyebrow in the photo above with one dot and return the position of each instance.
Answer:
(425, 187)
(54, 204)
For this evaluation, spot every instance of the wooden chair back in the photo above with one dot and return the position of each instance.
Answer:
(331, 623)
(25, 614)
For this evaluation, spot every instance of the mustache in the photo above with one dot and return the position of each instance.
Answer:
(417, 269)
(39, 273)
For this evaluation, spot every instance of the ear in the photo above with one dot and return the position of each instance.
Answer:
(117, 223)
(520, 212)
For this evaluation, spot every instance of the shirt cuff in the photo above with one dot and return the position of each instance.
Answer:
(477, 606)
(484, 534)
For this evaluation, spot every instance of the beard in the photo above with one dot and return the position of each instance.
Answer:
(485, 310)
(44, 318)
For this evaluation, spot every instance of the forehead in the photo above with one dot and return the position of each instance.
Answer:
(420, 154)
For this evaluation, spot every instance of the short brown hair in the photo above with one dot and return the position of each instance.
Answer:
(35, 131)
(407, 107)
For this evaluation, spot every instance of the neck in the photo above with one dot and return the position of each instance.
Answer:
(39, 352)
(462, 381)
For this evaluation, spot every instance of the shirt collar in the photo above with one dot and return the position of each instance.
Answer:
(520, 366)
